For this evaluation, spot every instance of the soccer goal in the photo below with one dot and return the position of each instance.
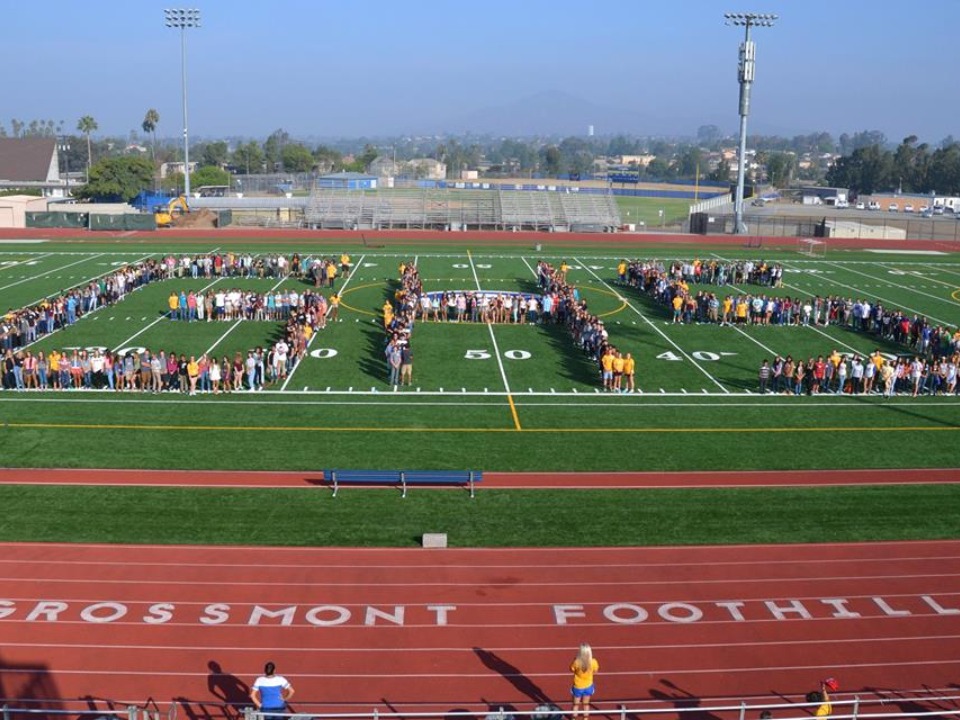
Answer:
(811, 247)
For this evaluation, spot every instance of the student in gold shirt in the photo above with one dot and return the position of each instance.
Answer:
(629, 371)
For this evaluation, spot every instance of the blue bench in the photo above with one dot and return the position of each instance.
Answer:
(403, 478)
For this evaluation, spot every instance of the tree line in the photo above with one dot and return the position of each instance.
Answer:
(911, 167)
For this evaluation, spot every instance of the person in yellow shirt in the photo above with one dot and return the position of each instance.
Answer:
(618, 365)
(727, 310)
(677, 307)
(173, 303)
(193, 373)
(583, 667)
(606, 365)
(334, 310)
(742, 308)
(54, 369)
(331, 273)
(345, 264)
(622, 272)
(387, 313)
(564, 269)
(629, 370)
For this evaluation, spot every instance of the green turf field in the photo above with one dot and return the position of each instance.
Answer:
(646, 211)
(504, 397)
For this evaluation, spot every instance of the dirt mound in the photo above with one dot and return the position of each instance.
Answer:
(197, 219)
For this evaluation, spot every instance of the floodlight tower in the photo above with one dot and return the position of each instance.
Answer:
(183, 18)
(746, 73)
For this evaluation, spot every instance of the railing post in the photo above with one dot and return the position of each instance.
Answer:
(743, 710)
(500, 713)
(856, 706)
(623, 712)
(132, 712)
(6, 712)
(249, 713)
(376, 714)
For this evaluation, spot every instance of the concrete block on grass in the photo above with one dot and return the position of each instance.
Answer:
(434, 540)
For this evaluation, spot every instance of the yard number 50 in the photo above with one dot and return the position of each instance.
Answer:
(485, 355)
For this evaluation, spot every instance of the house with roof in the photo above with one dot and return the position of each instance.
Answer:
(31, 164)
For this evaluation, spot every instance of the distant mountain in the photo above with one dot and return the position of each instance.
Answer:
(554, 112)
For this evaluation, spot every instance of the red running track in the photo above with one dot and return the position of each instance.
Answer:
(500, 480)
(468, 627)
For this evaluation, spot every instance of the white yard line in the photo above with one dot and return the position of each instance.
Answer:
(903, 287)
(869, 294)
(530, 268)
(21, 262)
(137, 334)
(237, 323)
(653, 326)
(99, 308)
(943, 268)
(98, 275)
(343, 287)
(223, 337)
(809, 327)
(919, 274)
(385, 398)
(493, 339)
(50, 272)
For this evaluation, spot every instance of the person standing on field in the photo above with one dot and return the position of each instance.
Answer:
(271, 692)
(583, 667)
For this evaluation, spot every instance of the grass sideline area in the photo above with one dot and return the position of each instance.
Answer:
(495, 518)
(538, 408)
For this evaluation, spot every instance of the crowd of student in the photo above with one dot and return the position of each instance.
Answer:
(23, 327)
(672, 287)
(305, 312)
(146, 371)
(617, 370)
(839, 374)
(223, 305)
(712, 272)
(20, 328)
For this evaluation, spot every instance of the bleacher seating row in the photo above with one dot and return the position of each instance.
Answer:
(461, 210)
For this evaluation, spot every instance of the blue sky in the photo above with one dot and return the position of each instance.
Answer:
(325, 68)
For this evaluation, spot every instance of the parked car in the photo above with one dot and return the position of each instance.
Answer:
(861, 205)
(893, 207)
(924, 208)
(874, 205)
(908, 208)
(841, 204)
(938, 209)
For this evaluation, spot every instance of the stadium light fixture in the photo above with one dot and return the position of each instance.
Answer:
(746, 71)
(182, 19)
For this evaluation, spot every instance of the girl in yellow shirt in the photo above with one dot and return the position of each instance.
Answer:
(583, 667)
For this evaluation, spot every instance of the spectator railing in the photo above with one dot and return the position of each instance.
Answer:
(879, 705)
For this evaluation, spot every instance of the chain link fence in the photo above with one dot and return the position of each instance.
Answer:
(945, 229)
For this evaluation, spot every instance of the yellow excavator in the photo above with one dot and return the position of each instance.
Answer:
(165, 215)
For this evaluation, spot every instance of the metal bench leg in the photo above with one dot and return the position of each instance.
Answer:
(335, 486)
(471, 484)
(403, 482)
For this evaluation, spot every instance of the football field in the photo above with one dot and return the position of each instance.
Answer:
(502, 396)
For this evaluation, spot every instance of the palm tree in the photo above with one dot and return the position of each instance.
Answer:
(87, 125)
(149, 125)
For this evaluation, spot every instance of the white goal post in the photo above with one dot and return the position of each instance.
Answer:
(812, 247)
